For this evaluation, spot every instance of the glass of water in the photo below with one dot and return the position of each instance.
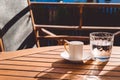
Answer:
(101, 45)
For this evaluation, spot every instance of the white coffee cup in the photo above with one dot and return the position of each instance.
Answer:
(74, 49)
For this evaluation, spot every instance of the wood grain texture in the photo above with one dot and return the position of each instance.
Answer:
(45, 63)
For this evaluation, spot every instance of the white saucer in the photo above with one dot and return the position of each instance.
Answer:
(65, 55)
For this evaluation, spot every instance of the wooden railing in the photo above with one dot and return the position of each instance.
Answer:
(81, 6)
(44, 27)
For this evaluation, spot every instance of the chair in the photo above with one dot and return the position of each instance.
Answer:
(45, 27)
(15, 24)
(1, 45)
(47, 31)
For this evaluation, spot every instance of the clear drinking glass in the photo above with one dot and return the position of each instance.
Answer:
(101, 45)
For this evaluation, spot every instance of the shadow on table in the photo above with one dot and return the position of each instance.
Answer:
(63, 69)
(104, 71)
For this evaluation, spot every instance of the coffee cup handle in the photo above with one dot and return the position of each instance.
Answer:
(65, 46)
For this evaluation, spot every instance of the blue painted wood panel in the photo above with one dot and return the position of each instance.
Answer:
(100, 1)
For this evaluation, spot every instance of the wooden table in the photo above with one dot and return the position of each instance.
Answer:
(45, 63)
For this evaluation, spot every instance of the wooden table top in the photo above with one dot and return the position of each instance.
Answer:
(45, 63)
